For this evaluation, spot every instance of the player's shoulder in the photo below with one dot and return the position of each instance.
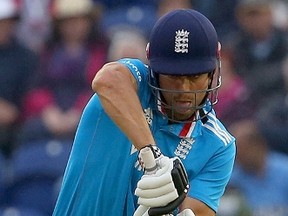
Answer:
(216, 131)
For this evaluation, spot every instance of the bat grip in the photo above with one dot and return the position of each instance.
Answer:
(157, 211)
(148, 160)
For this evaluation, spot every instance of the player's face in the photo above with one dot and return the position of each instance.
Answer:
(183, 94)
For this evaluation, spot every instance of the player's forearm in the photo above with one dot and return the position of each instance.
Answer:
(129, 119)
(198, 207)
(116, 88)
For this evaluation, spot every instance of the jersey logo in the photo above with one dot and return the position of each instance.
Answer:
(184, 147)
(181, 41)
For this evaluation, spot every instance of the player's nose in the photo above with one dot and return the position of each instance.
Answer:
(182, 83)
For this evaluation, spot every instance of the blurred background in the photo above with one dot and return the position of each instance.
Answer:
(50, 51)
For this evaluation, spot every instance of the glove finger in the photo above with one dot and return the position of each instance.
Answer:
(141, 210)
(158, 201)
(155, 192)
(152, 181)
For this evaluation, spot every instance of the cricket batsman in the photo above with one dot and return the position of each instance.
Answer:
(149, 141)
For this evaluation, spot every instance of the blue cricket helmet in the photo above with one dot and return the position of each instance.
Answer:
(183, 42)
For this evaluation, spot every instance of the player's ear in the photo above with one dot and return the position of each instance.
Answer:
(148, 51)
(218, 54)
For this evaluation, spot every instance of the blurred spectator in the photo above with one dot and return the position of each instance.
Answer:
(234, 96)
(137, 15)
(69, 62)
(259, 173)
(115, 4)
(35, 25)
(17, 66)
(274, 119)
(233, 203)
(132, 16)
(259, 48)
(221, 13)
(36, 171)
(128, 26)
(259, 41)
(280, 14)
(165, 6)
(127, 43)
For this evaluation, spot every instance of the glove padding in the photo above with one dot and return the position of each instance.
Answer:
(166, 189)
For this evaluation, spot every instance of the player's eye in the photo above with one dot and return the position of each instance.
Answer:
(195, 77)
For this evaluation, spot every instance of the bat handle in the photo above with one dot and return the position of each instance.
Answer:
(148, 160)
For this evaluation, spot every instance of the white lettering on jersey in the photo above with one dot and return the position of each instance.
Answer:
(135, 69)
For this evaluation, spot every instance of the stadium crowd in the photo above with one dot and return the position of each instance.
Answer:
(50, 51)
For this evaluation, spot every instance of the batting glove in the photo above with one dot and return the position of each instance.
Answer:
(164, 190)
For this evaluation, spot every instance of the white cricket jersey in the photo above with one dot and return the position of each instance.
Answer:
(102, 171)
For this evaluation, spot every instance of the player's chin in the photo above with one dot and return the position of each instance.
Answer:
(183, 115)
